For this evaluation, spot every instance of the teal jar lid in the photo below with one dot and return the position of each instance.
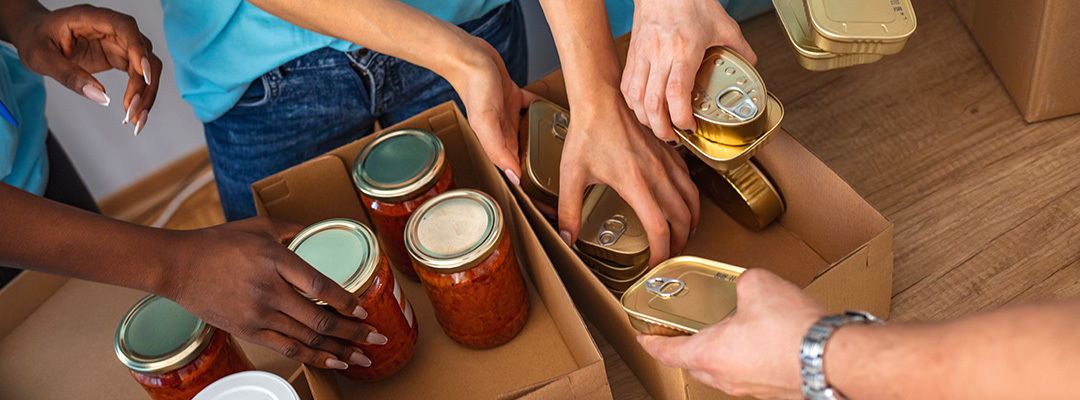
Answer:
(342, 249)
(454, 231)
(157, 336)
(399, 165)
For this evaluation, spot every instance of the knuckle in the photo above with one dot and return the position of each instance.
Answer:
(653, 102)
(316, 340)
(290, 349)
(325, 323)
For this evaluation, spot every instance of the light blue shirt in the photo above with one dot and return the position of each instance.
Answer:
(23, 159)
(621, 12)
(220, 46)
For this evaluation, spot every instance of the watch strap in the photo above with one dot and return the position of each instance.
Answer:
(811, 353)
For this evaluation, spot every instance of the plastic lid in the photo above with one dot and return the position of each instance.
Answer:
(454, 231)
(342, 249)
(157, 336)
(249, 385)
(398, 165)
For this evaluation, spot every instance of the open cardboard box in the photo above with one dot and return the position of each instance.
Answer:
(830, 242)
(56, 341)
(553, 356)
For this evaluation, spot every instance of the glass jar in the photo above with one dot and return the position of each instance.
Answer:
(461, 249)
(395, 174)
(173, 354)
(347, 252)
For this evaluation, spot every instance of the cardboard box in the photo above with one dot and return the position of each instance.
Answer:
(553, 356)
(56, 341)
(1032, 46)
(830, 242)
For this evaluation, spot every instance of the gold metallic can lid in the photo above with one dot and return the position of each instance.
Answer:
(860, 26)
(729, 98)
(610, 269)
(540, 164)
(157, 336)
(724, 157)
(610, 230)
(682, 296)
(745, 193)
(454, 231)
(399, 165)
(342, 249)
(792, 14)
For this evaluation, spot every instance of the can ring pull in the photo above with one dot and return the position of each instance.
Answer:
(744, 109)
(611, 230)
(664, 287)
(560, 123)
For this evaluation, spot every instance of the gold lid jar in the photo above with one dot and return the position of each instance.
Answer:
(725, 157)
(729, 99)
(792, 14)
(610, 230)
(540, 162)
(744, 193)
(682, 296)
(860, 26)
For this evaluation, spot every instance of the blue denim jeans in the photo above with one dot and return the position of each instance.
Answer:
(326, 98)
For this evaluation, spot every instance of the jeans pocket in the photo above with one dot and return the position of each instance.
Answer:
(257, 94)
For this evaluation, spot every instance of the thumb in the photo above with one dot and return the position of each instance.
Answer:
(671, 351)
(497, 143)
(571, 195)
(53, 64)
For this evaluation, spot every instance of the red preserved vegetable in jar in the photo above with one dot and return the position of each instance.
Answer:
(173, 354)
(348, 253)
(462, 252)
(395, 174)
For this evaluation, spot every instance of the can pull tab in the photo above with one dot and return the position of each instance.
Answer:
(560, 123)
(742, 108)
(664, 287)
(611, 230)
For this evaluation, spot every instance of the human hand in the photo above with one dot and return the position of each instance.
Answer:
(604, 144)
(667, 44)
(241, 278)
(493, 102)
(72, 43)
(756, 352)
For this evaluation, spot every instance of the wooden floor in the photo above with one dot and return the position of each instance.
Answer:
(986, 206)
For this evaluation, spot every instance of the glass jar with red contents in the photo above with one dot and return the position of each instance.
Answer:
(462, 252)
(173, 354)
(348, 253)
(395, 174)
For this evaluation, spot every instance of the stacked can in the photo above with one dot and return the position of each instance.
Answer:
(736, 116)
(612, 240)
(830, 34)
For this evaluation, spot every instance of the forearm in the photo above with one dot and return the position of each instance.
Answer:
(587, 51)
(43, 235)
(1020, 352)
(386, 26)
(15, 12)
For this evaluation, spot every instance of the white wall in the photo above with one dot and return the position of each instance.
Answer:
(108, 155)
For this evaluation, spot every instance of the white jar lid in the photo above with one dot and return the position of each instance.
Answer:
(249, 385)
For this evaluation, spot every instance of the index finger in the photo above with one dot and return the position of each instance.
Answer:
(308, 280)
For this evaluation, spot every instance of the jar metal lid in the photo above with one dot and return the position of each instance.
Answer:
(540, 163)
(398, 165)
(744, 193)
(868, 27)
(342, 249)
(723, 157)
(454, 231)
(792, 14)
(610, 230)
(729, 98)
(682, 296)
(249, 385)
(157, 336)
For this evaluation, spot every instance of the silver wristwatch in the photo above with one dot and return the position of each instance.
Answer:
(814, 386)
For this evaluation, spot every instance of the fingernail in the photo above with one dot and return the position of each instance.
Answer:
(359, 359)
(565, 237)
(146, 70)
(513, 177)
(141, 123)
(359, 312)
(131, 108)
(376, 338)
(93, 93)
(338, 364)
(692, 232)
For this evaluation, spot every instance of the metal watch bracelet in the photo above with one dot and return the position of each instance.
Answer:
(811, 353)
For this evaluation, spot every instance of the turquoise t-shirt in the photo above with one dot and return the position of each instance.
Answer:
(621, 12)
(220, 46)
(23, 159)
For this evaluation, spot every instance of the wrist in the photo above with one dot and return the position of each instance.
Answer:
(819, 373)
(17, 17)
